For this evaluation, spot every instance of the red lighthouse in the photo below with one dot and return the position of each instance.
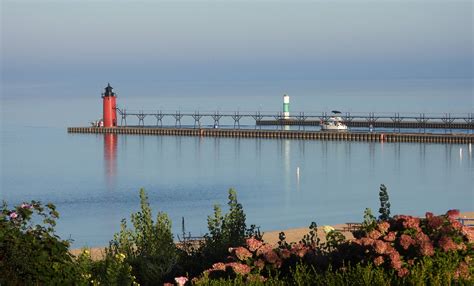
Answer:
(110, 113)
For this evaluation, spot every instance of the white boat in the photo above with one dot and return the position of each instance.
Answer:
(333, 123)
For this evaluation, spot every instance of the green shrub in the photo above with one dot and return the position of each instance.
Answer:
(149, 247)
(32, 253)
(384, 209)
(112, 270)
(226, 230)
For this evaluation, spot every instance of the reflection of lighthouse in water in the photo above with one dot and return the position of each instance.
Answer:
(110, 159)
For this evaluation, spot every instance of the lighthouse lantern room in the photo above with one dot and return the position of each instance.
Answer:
(109, 104)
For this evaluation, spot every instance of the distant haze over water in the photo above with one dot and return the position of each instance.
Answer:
(75, 104)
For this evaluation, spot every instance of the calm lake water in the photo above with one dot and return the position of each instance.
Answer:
(94, 179)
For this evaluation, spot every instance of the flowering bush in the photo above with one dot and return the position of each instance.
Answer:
(430, 250)
(32, 253)
(247, 261)
(402, 242)
(259, 261)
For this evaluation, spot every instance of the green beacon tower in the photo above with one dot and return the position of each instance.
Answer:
(286, 106)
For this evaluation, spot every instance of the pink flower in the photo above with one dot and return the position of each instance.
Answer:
(456, 224)
(271, 257)
(395, 260)
(391, 236)
(254, 244)
(25, 206)
(429, 215)
(453, 213)
(260, 264)
(406, 241)
(403, 272)
(383, 226)
(218, 266)
(427, 249)
(299, 249)
(366, 241)
(422, 237)
(390, 249)
(13, 215)
(411, 222)
(374, 234)
(447, 244)
(378, 261)
(264, 248)
(462, 271)
(461, 246)
(242, 253)
(239, 268)
(181, 280)
(469, 233)
(380, 247)
(435, 221)
(285, 253)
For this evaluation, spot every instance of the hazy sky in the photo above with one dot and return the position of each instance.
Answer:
(213, 40)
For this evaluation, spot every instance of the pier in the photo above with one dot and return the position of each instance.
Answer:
(208, 124)
(282, 134)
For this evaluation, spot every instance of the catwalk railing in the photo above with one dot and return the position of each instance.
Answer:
(355, 119)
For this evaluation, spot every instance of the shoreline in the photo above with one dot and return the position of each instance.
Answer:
(271, 237)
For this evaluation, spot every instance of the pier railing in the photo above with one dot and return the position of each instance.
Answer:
(395, 120)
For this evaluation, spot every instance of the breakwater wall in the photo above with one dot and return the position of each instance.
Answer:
(382, 124)
(282, 134)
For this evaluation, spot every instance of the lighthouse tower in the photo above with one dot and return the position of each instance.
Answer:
(286, 106)
(109, 104)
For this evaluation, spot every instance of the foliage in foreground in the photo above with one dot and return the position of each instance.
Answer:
(303, 274)
(434, 250)
(226, 230)
(149, 247)
(398, 250)
(32, 253)
(405, 250)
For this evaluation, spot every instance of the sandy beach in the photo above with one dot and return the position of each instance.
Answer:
(292, 235)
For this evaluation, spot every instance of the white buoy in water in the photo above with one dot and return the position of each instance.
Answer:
(298, 172)
(460, 153)
(470, 148)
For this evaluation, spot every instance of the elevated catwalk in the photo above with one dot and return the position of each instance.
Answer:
(375, 124)
(356, 119)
